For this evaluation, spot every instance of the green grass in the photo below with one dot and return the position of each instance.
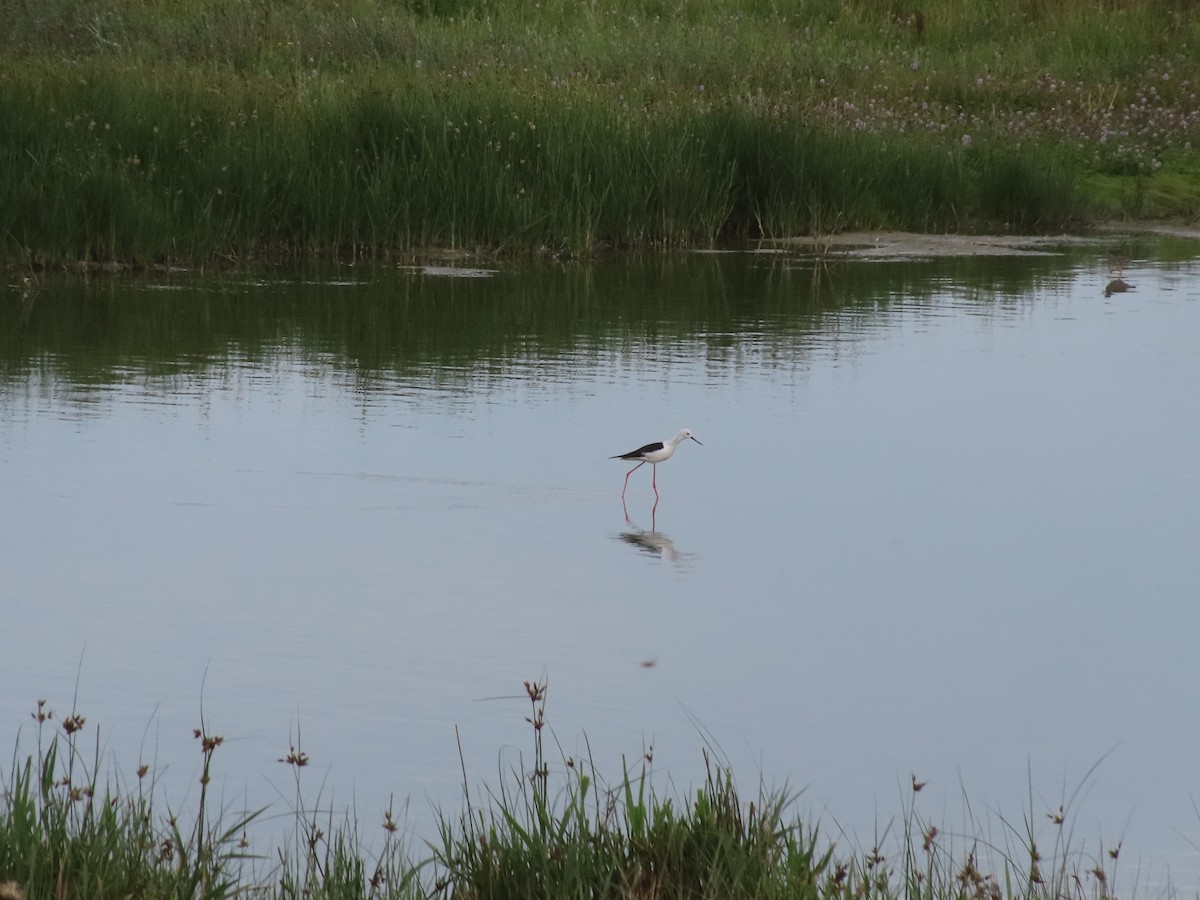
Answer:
(552, 828)
(64, 834)
(153, 131)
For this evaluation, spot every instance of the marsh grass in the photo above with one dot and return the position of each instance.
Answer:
(64, 834)
(585, 838)
(200, 129)
(184, 175)
(325, 856)
(550, 827)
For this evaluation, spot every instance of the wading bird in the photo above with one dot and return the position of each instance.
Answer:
(1117, 286)
(654, 453)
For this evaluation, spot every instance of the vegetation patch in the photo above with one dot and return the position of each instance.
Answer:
(555, 828)
(202, 129)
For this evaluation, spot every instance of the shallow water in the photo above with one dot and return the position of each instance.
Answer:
(943, 523)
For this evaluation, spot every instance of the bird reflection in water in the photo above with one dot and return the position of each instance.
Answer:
(652, 542)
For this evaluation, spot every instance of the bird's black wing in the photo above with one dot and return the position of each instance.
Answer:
(640, 451)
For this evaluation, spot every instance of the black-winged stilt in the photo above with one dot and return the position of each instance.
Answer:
(655, 453)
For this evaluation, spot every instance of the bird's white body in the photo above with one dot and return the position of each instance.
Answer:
(654, 453)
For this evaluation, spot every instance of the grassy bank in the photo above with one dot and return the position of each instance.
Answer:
(555, 828)
(152, 131)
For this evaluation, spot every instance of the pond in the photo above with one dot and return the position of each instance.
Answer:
(942, 523)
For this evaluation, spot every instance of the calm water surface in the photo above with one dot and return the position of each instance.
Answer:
(944, 522)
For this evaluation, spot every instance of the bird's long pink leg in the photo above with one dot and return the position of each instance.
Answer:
(627, 474)
(654, 480)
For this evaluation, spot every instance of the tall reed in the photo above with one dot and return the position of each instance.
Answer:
(154, 131)
(218, 169)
